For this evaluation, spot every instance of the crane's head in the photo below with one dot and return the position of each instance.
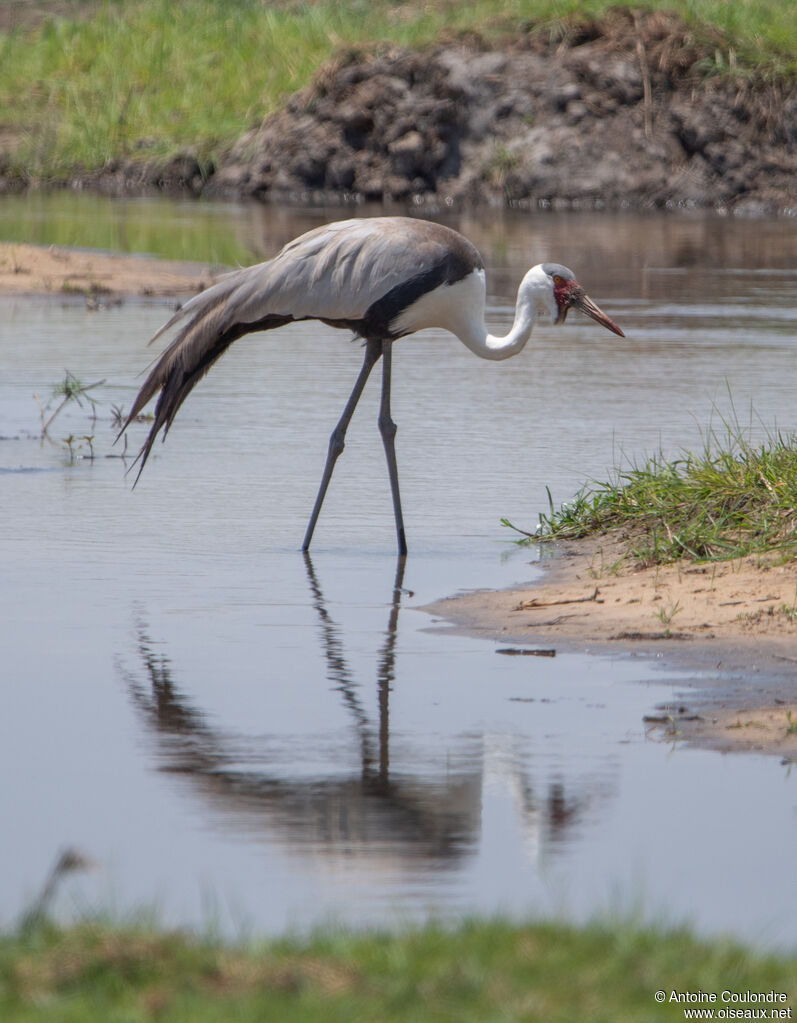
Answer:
(563, 292)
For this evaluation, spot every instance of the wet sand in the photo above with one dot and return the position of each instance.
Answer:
(733, 625)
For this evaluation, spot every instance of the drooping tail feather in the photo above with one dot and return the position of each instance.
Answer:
(211, 328)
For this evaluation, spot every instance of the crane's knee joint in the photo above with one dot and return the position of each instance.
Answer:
(387, 427)
(336, 443)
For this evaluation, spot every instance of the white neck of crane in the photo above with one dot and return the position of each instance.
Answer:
(534, 295)
(459, 308)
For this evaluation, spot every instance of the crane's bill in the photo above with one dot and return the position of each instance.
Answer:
(586, 305)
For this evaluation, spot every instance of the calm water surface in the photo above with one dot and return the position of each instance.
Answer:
(235, 733)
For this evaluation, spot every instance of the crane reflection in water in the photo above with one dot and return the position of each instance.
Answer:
(379, 813)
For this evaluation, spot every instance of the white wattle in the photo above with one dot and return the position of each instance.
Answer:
(459, 308)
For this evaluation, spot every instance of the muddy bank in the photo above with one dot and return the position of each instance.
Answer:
(615, 114)
(732, 626)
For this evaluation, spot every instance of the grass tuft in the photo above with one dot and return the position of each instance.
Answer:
(730, 500)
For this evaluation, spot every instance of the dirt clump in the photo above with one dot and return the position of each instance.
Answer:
(616, 114)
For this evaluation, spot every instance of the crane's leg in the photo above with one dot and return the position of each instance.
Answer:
(337, 440)
(388, 430)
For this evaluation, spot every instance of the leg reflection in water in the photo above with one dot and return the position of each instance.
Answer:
(375, 766)
(417, 815)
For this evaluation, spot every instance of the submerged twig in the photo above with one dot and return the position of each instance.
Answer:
(518, 651)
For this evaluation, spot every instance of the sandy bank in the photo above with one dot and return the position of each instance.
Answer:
(51, 270)
(733, 622)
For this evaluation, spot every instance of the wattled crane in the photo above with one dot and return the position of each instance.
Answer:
(381, 277)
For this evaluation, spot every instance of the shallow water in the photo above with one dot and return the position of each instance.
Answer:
(235, 733)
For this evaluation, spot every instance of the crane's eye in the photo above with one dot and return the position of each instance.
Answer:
(557, 279)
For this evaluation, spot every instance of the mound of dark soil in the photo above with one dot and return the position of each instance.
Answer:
(621, 113)
(617, 113)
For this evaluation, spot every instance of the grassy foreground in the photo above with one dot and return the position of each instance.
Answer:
(730, 500)
(146, 78)
(480, 971)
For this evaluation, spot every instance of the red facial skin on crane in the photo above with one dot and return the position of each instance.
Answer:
(562, 292)
(568, 294)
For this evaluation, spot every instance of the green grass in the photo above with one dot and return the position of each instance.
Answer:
(727, 501)
(150, 77)
(480, 971)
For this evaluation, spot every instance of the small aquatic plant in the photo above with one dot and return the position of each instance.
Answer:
(68, 389)
(71, 389)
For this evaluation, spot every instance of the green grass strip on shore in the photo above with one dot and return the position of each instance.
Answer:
(730, 500)
(476, 972)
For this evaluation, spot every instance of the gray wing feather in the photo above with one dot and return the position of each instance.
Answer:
(335, 272)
